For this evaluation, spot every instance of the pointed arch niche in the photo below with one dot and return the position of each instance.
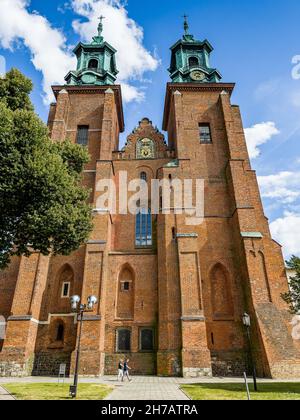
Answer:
(221, 293)
(63, 289)
(125, 299)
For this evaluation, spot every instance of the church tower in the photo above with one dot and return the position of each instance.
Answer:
(41, 331)
(228, 264)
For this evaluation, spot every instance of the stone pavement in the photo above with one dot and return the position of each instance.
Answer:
(148, 389)
(4, 395)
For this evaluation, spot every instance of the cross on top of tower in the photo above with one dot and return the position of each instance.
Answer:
(186, 24)
(100, 26)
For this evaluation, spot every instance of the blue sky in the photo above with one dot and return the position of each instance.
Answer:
(255, 42)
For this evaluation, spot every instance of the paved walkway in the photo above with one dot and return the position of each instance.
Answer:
(4, 395)
(148, 389)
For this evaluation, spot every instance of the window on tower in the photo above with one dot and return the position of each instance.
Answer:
(93, 64)
(82, 135)
(205, 134)
(193, 62)
(143, 176)
(143, 229)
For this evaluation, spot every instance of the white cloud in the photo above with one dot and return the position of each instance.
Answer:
(259, 134)
(284, 186)
(124, 34)
(53, 58)
(46, 44)
(286, 231)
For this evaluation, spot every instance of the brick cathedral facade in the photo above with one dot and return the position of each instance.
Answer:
(171, 296)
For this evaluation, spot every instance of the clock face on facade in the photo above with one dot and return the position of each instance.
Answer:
(88, 79)
(197, 75)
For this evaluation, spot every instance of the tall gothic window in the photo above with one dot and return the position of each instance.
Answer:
(205, 134)
(82, 135)
(123, 340)
(143, 229)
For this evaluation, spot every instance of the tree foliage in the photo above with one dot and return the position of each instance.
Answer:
(293, 296)
(43, 206)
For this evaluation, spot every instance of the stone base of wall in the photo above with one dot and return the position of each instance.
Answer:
(229, 364)
(47, 363)
(285, 370)
(16, 369)
(197, 372)
(140, 363)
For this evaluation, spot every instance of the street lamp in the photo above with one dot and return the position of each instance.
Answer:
(247, 324)
(80, 309)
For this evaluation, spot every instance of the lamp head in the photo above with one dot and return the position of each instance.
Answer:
(246, 320)
(74, 302)
(92, 301)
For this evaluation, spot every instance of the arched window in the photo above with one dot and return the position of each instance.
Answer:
(143, 176)
(193, 62)
(93, 64)
(60, 332)
(143, 228)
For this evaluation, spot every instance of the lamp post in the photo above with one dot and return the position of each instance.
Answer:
(80, 309)
(247, 324)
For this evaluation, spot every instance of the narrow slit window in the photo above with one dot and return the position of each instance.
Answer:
(60, 332)
(125, 286)
(65, 290)
(205, 134)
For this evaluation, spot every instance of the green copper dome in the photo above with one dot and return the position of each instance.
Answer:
(190, 60)
(96, 62)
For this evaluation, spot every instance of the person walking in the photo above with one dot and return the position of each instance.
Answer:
(126, 370)
(120, 371)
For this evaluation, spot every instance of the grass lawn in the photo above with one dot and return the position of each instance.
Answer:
(267, 391)
(24, 391)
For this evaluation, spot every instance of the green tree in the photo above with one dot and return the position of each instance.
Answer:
(43, 205)
(293, 296)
